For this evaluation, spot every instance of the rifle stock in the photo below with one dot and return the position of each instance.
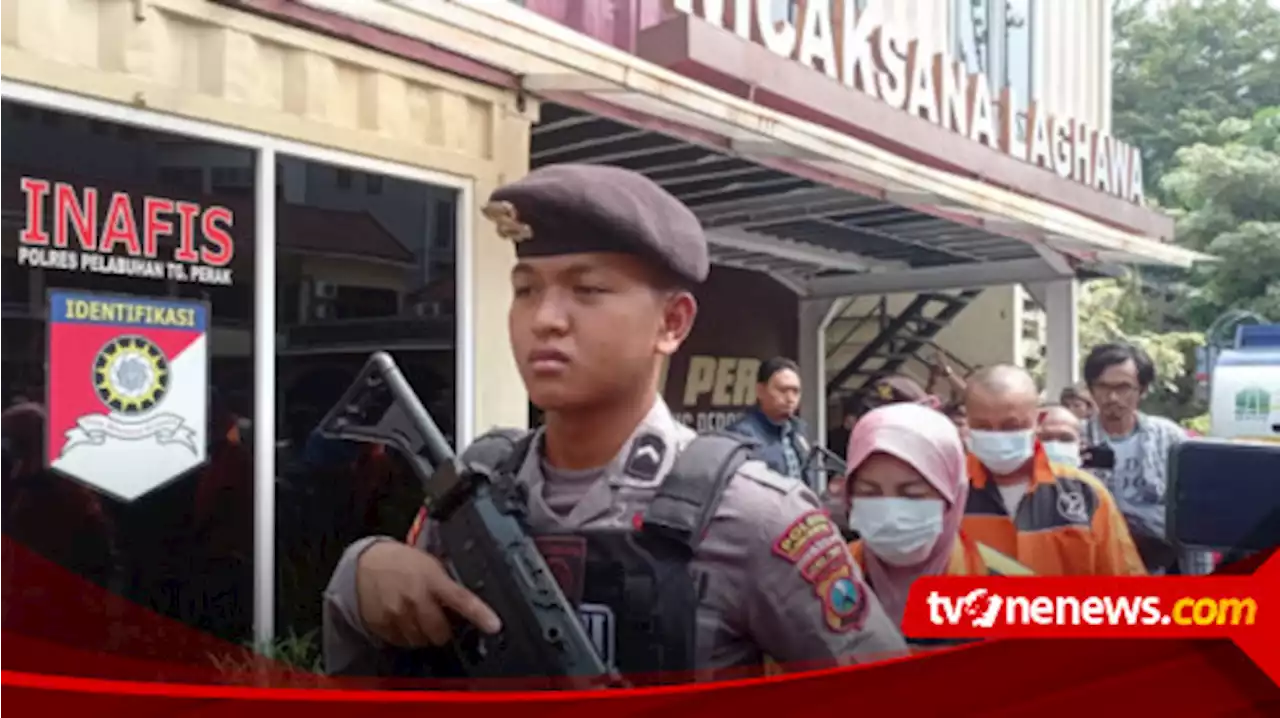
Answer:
(479, 518)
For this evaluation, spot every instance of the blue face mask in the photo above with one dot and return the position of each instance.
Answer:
(1066, 453)
(1003, 452)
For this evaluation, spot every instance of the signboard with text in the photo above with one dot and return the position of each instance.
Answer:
(863, 52)
(128, 389)
(84, 229)
(712, 379)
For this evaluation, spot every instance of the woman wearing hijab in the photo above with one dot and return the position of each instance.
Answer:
(908, 490)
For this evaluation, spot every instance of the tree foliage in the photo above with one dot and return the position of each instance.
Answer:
(1197, 87)
(1181, 68)
(1226, 198)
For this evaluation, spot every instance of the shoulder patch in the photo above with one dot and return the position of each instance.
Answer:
(760, 473)
(645, 460)
(844, 598)
(818, 566)
(802, 534)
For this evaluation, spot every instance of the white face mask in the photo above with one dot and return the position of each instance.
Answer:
(1004, 452)
(1063, 452)
(899, 531)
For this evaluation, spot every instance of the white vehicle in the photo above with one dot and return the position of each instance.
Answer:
(1244, 388)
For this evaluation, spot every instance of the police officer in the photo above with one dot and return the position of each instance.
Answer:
(602, 294)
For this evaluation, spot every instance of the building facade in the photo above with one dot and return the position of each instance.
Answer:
(1055, 53)
(214, 211)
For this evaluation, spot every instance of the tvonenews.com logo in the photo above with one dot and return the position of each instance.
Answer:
(981, 608)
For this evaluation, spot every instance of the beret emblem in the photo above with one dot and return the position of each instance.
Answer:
(507, 221)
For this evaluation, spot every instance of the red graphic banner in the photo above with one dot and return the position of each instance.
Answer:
(74, 647)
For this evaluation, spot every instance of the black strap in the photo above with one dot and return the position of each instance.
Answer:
(502, 450)
(690, 494)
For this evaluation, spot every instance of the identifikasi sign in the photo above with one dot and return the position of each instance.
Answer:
(81, 229)
(128, 390)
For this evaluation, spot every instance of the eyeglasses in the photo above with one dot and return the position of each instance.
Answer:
(1118, 390)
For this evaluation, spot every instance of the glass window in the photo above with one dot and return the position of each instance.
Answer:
(783, 10)
(998, 41)
(1019, 56)
(972, 24)
(127, 363)
(358, 272)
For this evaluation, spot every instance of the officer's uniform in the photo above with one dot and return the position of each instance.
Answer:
(770, 577)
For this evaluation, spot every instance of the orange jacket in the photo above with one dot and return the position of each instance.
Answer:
(1066, 525)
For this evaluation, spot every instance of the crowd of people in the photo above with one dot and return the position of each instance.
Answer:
(997, 481)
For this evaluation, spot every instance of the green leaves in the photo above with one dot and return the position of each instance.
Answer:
(1227, 199)
(1197, 86)
(1181, 68)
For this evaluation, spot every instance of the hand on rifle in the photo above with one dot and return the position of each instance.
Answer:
(403, 594)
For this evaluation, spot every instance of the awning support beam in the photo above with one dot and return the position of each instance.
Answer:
(821, 258)
(969, 276)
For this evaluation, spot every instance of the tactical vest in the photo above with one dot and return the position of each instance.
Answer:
(633, 588)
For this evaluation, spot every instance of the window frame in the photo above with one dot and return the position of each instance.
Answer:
(997, 49)
(266, 149)
(996, 70)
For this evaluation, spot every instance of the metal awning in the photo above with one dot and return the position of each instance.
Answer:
(831, 214)
(762, 219)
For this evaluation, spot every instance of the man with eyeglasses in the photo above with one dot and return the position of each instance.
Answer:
(1118, 376)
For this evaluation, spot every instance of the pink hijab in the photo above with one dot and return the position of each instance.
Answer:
(927, 440)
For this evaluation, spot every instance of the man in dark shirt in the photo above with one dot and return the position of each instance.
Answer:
(838, 435)
(772, 421)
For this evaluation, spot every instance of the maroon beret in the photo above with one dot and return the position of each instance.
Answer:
(576, 208)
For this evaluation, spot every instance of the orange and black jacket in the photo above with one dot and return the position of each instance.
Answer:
(1066, 525)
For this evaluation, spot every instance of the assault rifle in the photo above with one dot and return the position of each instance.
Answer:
(827, 461)
(833, 469)
(479, 515)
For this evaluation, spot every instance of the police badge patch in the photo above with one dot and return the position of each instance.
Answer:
(645, 460)
(844, 599)
(128, 390)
